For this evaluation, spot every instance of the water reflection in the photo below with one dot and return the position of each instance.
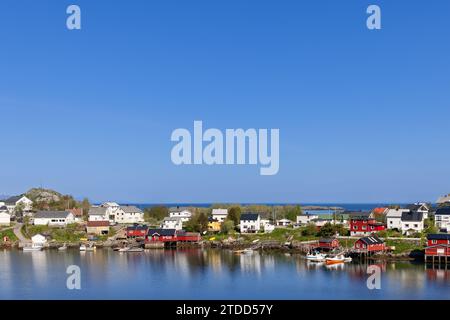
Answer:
(208, 274)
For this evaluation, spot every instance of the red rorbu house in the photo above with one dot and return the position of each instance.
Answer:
(328, 243)
(370, 244)
(171, 235)
(364, 224)
(137, 231)
(438, 246)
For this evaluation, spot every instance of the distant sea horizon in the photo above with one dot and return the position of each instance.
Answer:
(345, 206)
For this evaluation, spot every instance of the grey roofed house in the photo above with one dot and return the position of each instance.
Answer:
(412, 216)
(51, 214)
(249, 216)
(417, 206)
(130, 209)
(359, 215)
(13, 200)
(97, 211)
(172, 219)
(372, 240)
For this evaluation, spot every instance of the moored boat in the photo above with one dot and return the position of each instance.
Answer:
(316, 257)
(33, 247)
(335, 260)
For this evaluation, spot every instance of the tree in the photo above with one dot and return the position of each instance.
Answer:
(309, 230)
(158, 213)
(198, 222)
(234, 214)
(227, 226)
(293, 212)
(327, 230)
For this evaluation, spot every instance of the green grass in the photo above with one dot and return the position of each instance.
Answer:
(403, 246)
(8, 233)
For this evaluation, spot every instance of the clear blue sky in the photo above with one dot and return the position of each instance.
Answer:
(363, 115)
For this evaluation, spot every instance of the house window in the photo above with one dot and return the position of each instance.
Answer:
(355, 227)
(407, 225)
(434, 241)
(416, 225)
(364, 227)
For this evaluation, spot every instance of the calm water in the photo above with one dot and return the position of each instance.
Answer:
(206, 274)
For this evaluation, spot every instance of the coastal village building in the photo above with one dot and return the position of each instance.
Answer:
(97, 227)
(420, 207)
(412, 222)
(38, 240)
(98, 214)
(111, 210)
(172, 223)
(370, 244)
(306, 218)
(53, 218)
(77, 214)
(284, 222)
(329, 243)
(184, 215)
(129, 214)
(214, 225)
(219, 214)
(394, 218)
(5, 218)
(363, 224)
(12, 204)
(442, 219)
(137, 231)
(171, 235)
(250, 223)
(438, 246)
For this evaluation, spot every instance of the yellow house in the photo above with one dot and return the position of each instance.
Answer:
(214, 226)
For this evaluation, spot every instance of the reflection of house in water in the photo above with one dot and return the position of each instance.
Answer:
(39, 264)
(438, 275)
(250, 263)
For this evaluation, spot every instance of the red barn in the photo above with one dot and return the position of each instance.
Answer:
(328, 243)
(137, 231)
(363, 224)
(438, 245)
(184, 236)
(370, 244)
(161, 235)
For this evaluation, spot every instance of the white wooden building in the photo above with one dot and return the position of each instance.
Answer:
(184, 215)
(250, 223)
(172, 223)
(129, 214)
(53, 218)
(5, 218)
(442, 219)
(219, 214)
(394, 218)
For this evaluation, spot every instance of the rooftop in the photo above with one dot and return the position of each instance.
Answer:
(249, 216)
(51, 214)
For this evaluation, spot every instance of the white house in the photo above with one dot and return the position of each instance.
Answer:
(306, 218)
(420, 207)
(5, 218)
(38, 240)
(250, 223)
(12, 203)
(98, 214)
(129, 214)
(172, 223)
(184, 215)
(219, 214)
(412, 222)
(442, 219)
(394, 218)
(53, 218)
(111, 210)
(284, 222)
(268, 228)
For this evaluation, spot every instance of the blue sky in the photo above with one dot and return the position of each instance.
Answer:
(363, 115)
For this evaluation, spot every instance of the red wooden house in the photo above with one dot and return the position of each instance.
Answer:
(137, 231)
(171, 235)
(438, 245)
(370, 244)
(328, 243)
(364, 224)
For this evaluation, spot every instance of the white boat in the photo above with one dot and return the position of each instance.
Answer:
(124, 249)
(34, 247)
(135, 250)
(63, 248)
(316, 257)
(347, 259)
(83, 247)
(247, 251)
(91, 248)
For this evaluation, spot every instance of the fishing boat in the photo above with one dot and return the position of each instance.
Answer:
(316, 257)
(33, 247)
(335, 260)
